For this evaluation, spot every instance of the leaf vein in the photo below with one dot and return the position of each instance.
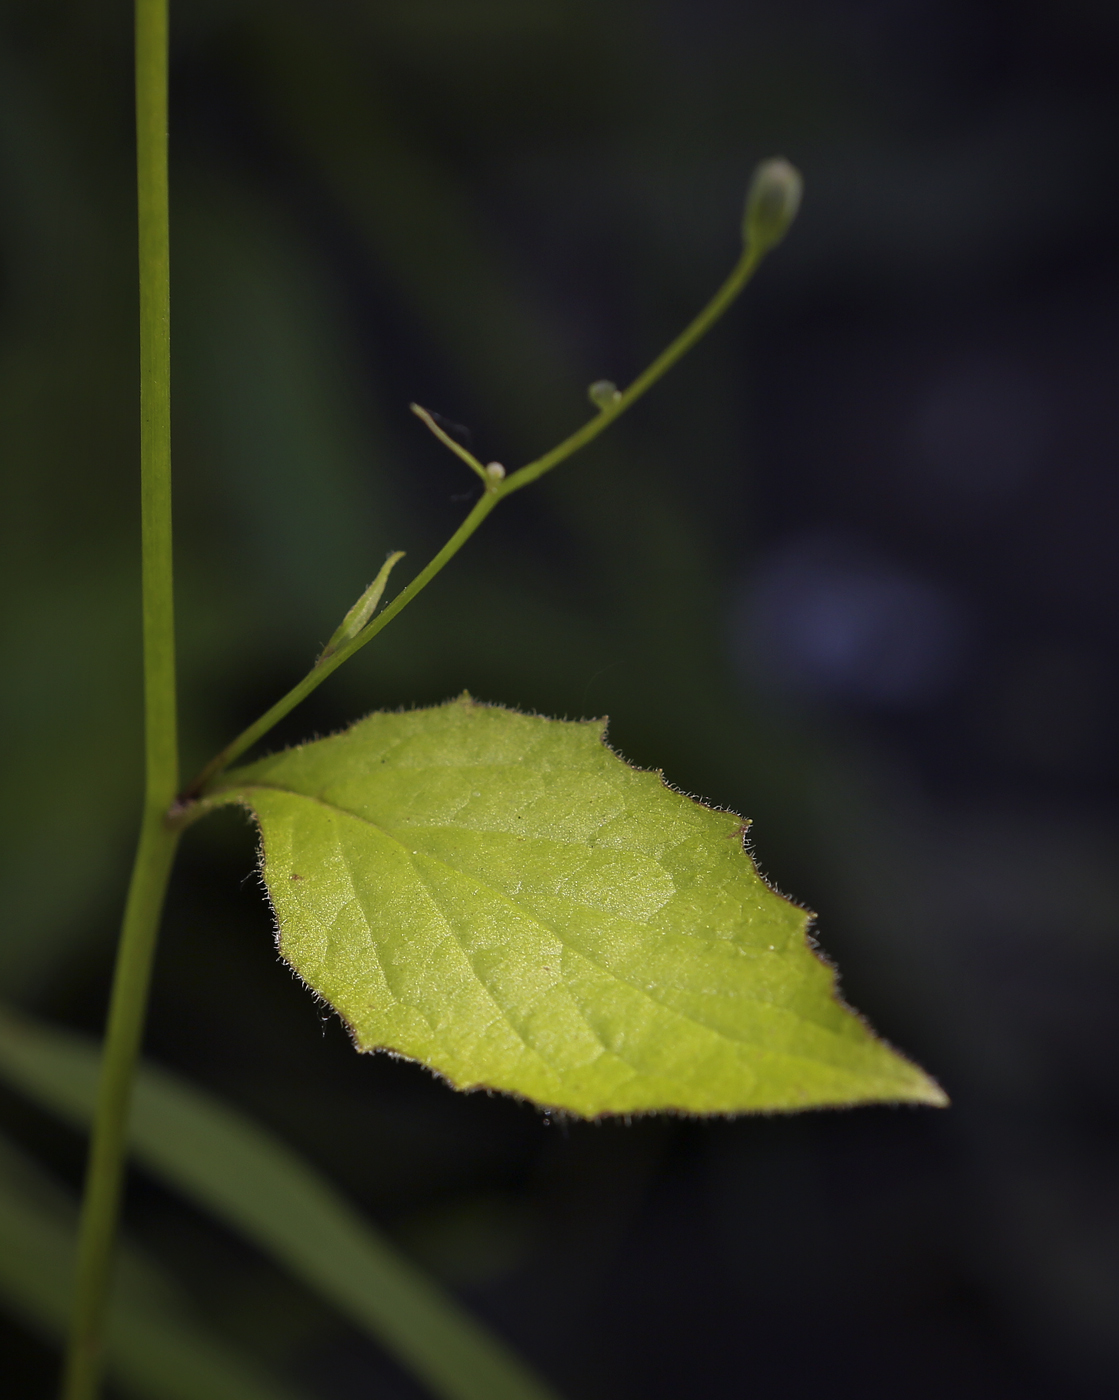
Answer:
(628, 982)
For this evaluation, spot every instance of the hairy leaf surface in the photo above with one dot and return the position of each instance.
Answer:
(503, 898)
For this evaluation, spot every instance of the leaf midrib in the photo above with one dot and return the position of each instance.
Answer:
(607, 971)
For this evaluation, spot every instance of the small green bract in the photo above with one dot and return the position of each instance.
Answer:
(504, 899)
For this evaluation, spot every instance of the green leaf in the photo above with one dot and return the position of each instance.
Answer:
(504, 899)
(155, 1349)
(261, 1188)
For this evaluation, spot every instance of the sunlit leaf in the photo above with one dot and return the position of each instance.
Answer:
(243, 1175)
(155, 1349)
(504, 899)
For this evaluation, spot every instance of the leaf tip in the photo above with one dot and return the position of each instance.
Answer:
(912, 1085)
(930, 1093)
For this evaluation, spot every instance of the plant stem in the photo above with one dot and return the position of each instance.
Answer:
(160, 718)
(495, 491)
(158, 840)
(105, 1170)
(315, 677)
(693, 332)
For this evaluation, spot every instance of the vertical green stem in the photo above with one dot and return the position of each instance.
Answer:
(161, 734)
(156, 850)
(105, 1171)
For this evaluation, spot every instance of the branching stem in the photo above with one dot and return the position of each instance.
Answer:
(165, 816)
(496, 490)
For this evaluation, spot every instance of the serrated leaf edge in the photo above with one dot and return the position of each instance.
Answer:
(228, 793)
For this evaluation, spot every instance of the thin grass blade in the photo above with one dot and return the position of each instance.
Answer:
(156, 1351)
(245, 1176)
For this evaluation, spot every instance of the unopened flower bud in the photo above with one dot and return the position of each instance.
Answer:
(772, 202)
(603, 392)
(495, 471)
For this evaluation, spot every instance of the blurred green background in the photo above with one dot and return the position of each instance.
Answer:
(850, 571)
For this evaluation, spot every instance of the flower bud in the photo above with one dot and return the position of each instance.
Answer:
(772, 202)
(603, 392)
(495, 471)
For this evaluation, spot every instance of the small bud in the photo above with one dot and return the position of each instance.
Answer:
(772, 202)
(362, 610)
(603, 392)
(495, 471)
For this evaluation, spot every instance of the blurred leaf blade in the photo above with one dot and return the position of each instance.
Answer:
(262, 1189)
(502, 898)
(155, 1350)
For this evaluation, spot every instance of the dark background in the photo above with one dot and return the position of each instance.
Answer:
(850, 571)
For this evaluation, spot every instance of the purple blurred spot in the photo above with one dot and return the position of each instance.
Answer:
(824, 618)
